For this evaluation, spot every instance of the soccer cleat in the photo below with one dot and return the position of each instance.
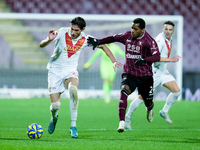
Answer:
(165, 116)
(121, 127)
(150, 115)
(51, 126)
(128, 123)
(74, 133)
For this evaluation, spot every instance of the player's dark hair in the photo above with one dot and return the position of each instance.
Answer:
(141, 22)
(169, 23)
(79, 21)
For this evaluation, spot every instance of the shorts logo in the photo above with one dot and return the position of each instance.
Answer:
(74, 73)
(51, 88)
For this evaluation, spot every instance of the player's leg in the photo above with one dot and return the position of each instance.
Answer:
(125, 91)
(146, 91)
(72, 84)
(54, 109)
(171, 99)
(55, 85)
(133, 106)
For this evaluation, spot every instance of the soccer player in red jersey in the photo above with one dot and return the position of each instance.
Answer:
(141, 51)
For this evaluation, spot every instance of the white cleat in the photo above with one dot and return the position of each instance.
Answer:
(165, 116)
(150, 115)
(128, 123)
(121, 127)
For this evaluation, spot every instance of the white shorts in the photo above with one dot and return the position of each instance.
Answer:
(162, 78)
(56, 80)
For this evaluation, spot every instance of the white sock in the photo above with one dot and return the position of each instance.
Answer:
(54, 108)
(133, 106)
(73, 104)
(171, 99)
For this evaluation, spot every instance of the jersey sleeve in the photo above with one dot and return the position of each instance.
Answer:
(114, 38)
(155, 54)
(120, 37)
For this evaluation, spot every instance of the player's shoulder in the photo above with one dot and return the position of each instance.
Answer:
(63, 30)
(148, 38)
(159, 38)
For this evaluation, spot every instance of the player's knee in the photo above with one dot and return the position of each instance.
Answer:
(73, 91)
(125, 89)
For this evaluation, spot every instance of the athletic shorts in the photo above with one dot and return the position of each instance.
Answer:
(162, 78)
(56, 80)
(144, 85)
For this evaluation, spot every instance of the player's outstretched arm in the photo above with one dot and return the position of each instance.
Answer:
(173, 59)
(116, 64)
(52, 35)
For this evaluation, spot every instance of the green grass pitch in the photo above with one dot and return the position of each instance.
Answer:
(97, 126)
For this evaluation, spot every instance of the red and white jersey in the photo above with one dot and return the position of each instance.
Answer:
(165, 47)
(66, 50)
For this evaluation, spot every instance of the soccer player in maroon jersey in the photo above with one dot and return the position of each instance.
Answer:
(141, 51)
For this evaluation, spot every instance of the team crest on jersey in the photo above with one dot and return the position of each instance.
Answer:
(68, 39)
(82, 41)
(140, 43)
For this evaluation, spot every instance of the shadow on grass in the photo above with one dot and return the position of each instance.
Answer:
(143, 139)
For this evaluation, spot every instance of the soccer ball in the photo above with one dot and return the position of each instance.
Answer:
(34, 131)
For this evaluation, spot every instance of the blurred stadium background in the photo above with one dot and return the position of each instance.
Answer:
(22, 62)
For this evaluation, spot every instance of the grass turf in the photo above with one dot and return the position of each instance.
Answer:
(97, 126)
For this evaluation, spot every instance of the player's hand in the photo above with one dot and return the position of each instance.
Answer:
(86, 65)
(52, 34)
(176, 58)
(140, 62)
(116, 65)
(92, 42)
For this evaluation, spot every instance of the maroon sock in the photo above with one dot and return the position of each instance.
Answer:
(122, 105)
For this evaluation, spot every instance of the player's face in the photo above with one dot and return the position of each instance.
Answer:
(168, 31)
(136, 31)
(75, 31)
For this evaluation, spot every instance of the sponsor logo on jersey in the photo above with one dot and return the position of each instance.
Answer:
(133, 56)
(72, 49)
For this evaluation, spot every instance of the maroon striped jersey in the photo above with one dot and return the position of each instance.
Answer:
(143, 47)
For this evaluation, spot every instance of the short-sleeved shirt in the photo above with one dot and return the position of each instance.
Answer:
(66, 50)
(164, 52)
(142, 47)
